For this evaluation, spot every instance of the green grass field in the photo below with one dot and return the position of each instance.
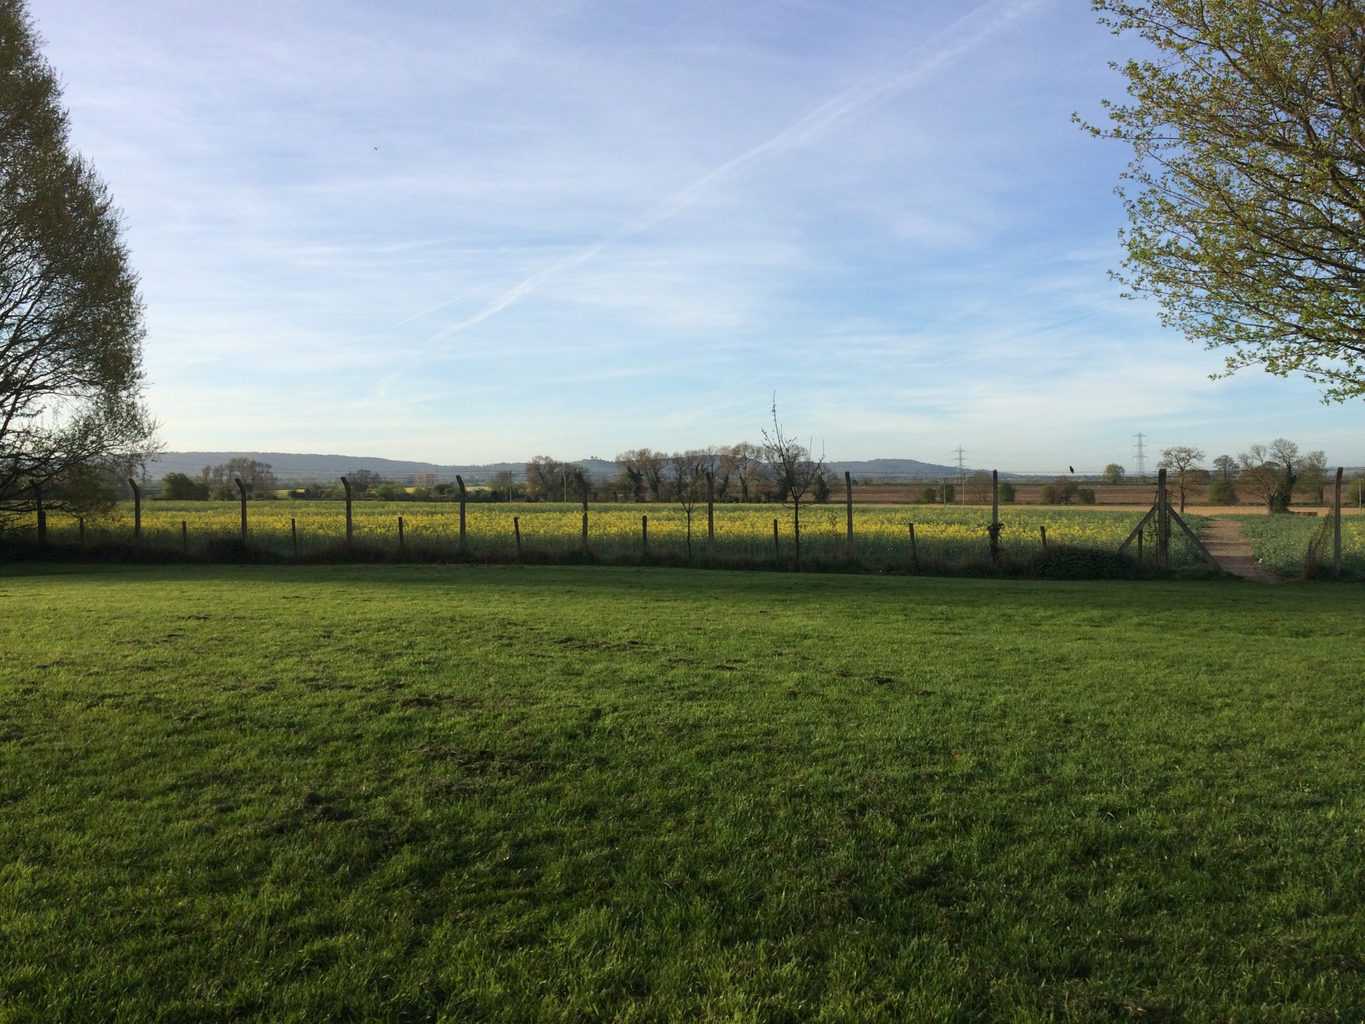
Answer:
(1281, 542)
(580, 794)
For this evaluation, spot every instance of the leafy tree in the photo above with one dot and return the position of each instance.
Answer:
(505, 484)
(257, 476)
(1222, 492)
(1245, 194)
(182, 487)
(362, 481)
(1226, 467)
(821, 488)
(1271, 473)
(1085, 495)
(549, 479)
(1006, 491)
(1313, 475)
(70, 316)
(1182, 459)
(644, 470)
(1114, 473)
(1062, 491)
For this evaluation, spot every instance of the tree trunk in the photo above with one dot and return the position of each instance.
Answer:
(796, 530)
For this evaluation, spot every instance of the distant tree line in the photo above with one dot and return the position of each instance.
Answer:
(1270, 474)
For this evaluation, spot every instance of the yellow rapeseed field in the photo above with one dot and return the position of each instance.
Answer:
(610, 525)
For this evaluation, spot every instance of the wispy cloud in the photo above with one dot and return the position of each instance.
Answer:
(940, 50)
(879, 209)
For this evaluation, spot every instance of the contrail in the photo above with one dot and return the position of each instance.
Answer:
(994, 15)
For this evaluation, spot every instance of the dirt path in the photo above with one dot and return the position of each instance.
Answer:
(1223, 538)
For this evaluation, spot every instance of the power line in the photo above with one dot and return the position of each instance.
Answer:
(961, 475)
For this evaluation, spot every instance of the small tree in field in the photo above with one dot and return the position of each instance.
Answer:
(1272, 473)
(1114, 473)
(793, 470)
(1181, 459)
(686, 482)
(746, 462)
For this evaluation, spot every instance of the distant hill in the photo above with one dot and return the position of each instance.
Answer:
(901, 469)
(291, 466)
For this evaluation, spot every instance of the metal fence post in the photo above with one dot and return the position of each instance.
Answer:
(42, 515)
(347, 484)
(241, 489)
(1336, 524)
(848, 502)
(137, 509)
(460, 482)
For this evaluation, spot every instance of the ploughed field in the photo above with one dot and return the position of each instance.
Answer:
(501, 793)
(951, 537)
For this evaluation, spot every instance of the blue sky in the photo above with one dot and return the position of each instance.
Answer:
(473, 232)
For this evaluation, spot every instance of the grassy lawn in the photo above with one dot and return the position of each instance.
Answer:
(534, 794)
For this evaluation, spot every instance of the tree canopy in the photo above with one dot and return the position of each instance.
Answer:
(1246, 192)
(70, 315)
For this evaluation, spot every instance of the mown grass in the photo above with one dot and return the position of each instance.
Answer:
(531, 794)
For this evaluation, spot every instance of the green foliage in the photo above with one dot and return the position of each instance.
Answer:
(1006, 491)
(1085, 495)
(1222, 492)
(1245, 193)
(416, 794)
(181, 487)
(70, 316)
(1280, 542)
(1113, 473)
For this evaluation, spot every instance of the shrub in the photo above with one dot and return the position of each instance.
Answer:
(1221, 492)
(1085, 495)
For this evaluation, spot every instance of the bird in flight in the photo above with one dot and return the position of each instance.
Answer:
(1072, 468)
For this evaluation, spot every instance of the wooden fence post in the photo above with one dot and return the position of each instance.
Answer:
(848, 505)
(42, 515)
(1042, 532)
(241, 489)
(80, 524)
(914, 550)
(995, 516)
(585, 512)
(347, 484)
(777, 547)
(1141, 530)
(516, 532)
(137, 509)
(1163, 522)
(400, 534)
(710, 507)
(184, 537)
(644, 534)
(460, 481)
(1336, 524)
(294, 534)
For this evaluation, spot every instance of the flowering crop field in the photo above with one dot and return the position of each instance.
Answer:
(1281, 542)
(944, 535)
